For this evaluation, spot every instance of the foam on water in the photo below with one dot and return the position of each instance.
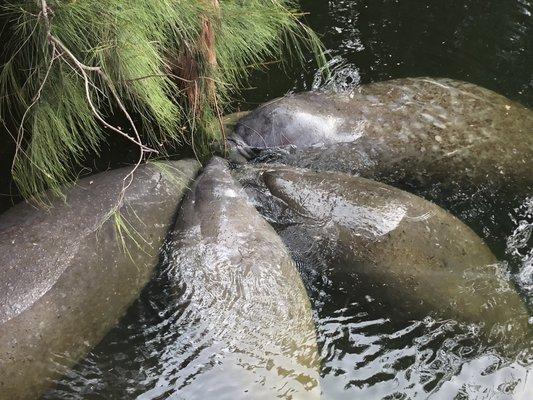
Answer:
(520, 246)
(337, 75)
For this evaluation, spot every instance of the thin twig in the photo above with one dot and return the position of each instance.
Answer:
(158, 76)
(193, 127)
(20, 133)
(219, 118)
(82, 68)
(60, 51)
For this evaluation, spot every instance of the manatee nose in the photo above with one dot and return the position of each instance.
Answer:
(237, 147)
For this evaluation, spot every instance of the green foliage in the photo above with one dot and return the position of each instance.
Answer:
(127, 236)
(134, 43)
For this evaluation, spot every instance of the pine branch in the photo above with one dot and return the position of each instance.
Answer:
(62, 52)
(118, 56)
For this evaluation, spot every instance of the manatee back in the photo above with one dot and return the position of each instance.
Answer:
(416, 256)
(246, 303)
(464, 147)
(66, 279)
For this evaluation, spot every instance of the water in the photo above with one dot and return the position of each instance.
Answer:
(367, 352)
(520, 247)
(487, 42)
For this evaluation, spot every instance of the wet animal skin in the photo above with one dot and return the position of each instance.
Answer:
(247, 306)
(417, 257)
(65, 279)
(466, 148)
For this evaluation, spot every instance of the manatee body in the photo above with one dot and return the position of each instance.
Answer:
(439, 122)
(66, 278)
(455, 143)
(416, 256)
(247, 309)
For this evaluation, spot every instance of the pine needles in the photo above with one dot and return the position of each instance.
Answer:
(71, 65)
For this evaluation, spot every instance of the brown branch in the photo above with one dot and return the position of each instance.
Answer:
(188, 69)
(207, 49)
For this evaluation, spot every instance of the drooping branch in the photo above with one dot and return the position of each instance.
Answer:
(59, 51)
(176, 64)
(66, 54)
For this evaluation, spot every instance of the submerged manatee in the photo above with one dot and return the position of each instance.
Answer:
(248, 323)
(66, 278)
(455, 143)
(417, 257)
(440, 120)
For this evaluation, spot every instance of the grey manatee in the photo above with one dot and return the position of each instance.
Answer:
(66, 277)
(248, 330)
(404, 250)
(440, 120)
(465, 147)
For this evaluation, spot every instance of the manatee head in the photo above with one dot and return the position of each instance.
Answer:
(301, 120)
(237, 149)
(267, 126)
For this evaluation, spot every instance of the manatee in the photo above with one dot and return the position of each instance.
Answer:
(66, 277)
(418, 258)
(427, 117)
(454, 143)
(248, 327)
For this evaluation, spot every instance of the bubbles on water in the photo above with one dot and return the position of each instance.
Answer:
(525, 276)
(519, 245)
(337, 75)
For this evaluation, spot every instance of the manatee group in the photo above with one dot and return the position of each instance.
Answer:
(465, 147)
(417, 257)
(333, 189)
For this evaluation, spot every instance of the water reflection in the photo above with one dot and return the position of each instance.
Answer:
(366, 352)
(369, 354)
(487, 42)
(520, 247)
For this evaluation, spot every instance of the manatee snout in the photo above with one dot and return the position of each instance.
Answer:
(248, 132)
(278, 187)
(238, 150)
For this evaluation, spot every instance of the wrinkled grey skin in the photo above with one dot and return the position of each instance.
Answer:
(65, 280)
(415, 256)
(442, 122)
(438, 138)
(247, 306)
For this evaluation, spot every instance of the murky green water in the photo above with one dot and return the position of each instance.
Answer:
(367, 352)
